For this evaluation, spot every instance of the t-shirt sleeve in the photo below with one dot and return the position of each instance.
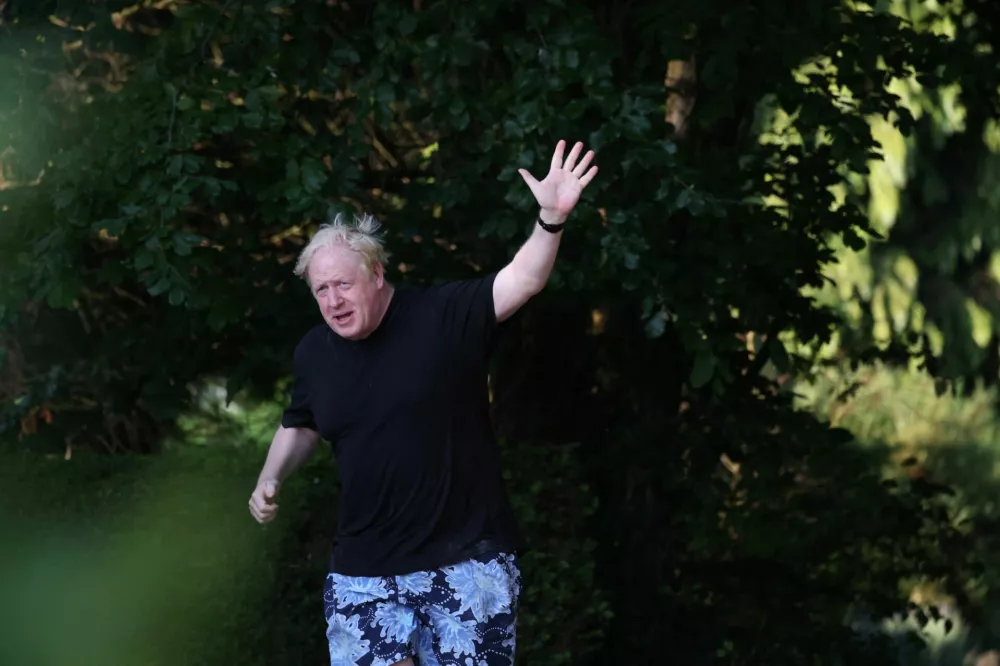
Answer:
(469, 314)
(298, 413)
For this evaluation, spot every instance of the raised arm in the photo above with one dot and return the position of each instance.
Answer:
(556, 195)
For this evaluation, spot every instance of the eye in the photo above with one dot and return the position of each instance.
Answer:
(321, 289)
(345, 285)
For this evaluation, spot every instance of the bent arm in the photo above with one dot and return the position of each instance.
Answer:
(528, 271)
(290, 448)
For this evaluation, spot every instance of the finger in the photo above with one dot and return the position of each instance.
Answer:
(573, 156)
(557, 156)
(261, 503)
(263, 515)
(270, 490)
(528, 178)
(587, 177)
(584, 163)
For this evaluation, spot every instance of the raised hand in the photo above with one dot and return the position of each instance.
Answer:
(559, 191)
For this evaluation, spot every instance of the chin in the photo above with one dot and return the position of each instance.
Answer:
(351, 333)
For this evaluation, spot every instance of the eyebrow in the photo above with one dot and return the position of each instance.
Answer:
(333, 280)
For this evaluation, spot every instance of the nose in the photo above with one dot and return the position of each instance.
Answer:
(333, 299)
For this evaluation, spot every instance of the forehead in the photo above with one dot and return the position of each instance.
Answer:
(336, 262)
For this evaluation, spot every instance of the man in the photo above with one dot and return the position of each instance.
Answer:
(424, 565)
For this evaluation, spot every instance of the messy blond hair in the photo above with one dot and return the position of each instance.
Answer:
(362, 237)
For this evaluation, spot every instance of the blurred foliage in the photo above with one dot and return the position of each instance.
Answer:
(941, 441)
(131, 561)
(931, 287)
(162, 564)
(163, 163)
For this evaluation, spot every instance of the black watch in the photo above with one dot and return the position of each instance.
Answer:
(551, 228)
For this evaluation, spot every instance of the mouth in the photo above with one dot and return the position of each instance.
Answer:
(342, 319)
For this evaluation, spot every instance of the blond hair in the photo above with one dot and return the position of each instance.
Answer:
(362, 237)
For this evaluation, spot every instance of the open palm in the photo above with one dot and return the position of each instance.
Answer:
(559, 191)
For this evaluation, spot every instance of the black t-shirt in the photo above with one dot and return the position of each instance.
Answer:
(406, 410)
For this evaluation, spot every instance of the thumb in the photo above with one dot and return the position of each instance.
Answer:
(270, 490)
(528, 178)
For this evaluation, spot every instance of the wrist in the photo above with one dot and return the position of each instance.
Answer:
(269, 478)
(548, 217)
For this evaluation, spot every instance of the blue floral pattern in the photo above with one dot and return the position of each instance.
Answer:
(453, 634)
(415, 583)
(355, 590)
(347, 642)
(459, 615)
(396, 621)
(483, 588)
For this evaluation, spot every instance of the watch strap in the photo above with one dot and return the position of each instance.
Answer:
(551, 228)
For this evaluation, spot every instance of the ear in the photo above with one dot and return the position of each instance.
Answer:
(379, 276)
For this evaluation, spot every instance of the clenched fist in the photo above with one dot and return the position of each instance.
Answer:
(262, 505)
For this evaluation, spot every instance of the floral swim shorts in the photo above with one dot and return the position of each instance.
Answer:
(459, 615)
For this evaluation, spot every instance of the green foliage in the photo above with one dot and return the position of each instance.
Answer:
(157, 561)
(941, 441)
(130, 560)
(178, 182)
(565, 610)
(930, 286)
(184, 167)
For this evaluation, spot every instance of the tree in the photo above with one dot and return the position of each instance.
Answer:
(190, 150)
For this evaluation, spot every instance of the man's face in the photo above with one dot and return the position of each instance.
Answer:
(349, 296)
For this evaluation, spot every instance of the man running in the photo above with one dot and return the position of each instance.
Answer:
(424, 564)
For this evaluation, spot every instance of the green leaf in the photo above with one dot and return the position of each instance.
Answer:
(683, 199)
(572, 59)
(182, 244)
(656, 325)
(703, 368)
(144, 259)
(159, 287)
(513, 130)
(313, 175)
(54, 296)
(385, 93)
(486, 141)
(253, 120)
(407, 25)
(175, 165)
(63, 198)
(176, 296)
